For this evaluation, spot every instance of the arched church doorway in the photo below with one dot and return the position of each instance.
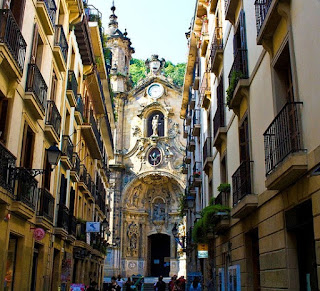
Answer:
(159, 262)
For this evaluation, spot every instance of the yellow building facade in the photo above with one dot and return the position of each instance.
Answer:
(54, 90)
(257, 143)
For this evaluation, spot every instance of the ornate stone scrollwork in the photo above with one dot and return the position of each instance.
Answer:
(133, 236)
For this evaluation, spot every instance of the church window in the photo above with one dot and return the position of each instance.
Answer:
(155, 124)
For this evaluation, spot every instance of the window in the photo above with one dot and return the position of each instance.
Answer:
(3, 117)
(27, 147)
(47, 174)
(54, 85)
(151, 128)
(11, 263)
(63, 190)
(244, 141)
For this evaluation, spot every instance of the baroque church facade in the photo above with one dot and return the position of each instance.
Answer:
(146, 179)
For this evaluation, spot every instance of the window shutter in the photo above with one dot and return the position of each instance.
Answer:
(72, 199)
(3, 117)
(17, 8)
(34, 44)
(243, 37)
(63, 190)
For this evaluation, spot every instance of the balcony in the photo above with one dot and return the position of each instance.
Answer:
(187, 158)
(45, 212)
(188, 116)
(75, 170)
(238, 80)
(216, 52)
(85, 179)
(67, 152)
(231, 7)
(207, 155)
(7, 181)
(72, 89)
(285, 157)
(219, 128)
(72, 229)
(191, 144)
(192, 99)
(204, 38)
(35, 96)
(197, 170)
(62, 228)
(244, 202)
(60, 49)
(12, 45)
(53, 122)
(196, 123)
(205, 91)
(184, 168)
(46, 10)
(27, 194)
(78, 114)
(224, 220)
(185, 130)
(267, 20)
(92, 135)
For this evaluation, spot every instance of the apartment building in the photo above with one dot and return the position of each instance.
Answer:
(251, 77)
(55, 101)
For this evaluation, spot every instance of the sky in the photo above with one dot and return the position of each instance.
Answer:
(154, 26)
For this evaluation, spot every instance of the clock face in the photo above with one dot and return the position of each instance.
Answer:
(155, 90)
(154, 157)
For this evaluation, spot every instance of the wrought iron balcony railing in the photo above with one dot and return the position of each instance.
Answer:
(67, 147)
(218, 120)
(283, 136)
(11, 35)
(72, 83)
(83, 173)
(241, 181)
(45, 204)
(262, 8)
(61, 41)
(72, 225)
(217, 43)
(7, 162)
(27, 188)
(197, 169)
(37, 85)
(240, 65)
(96, 132)
(207, 148)
(63, 217)
(52, 9)
(76, 163)
(196, 117)
(53, 116)
(80, 106)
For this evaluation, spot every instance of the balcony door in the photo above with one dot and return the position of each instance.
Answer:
(17, 9)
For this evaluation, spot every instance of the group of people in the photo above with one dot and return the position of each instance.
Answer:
(176, 284)
(119, 284)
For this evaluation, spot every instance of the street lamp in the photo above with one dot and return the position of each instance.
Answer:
(53, 156)
(190, 201)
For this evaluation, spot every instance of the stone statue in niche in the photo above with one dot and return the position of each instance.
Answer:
(159, 211)
(133, 234)
(135, 197)
(155, 122)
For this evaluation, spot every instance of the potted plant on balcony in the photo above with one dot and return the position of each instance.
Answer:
(204, 18)
(234, 78)
(197, 174)
(224, 187)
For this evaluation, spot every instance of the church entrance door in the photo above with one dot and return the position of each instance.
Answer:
(160, 255)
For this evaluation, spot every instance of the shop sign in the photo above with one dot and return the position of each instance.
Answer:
(39, 233)
(202, 251)
(92, 226)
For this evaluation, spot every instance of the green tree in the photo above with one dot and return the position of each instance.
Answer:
(137, 70)
(175, 72)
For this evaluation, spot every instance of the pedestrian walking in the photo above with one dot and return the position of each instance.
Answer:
(114, 286)
(120, 282)
(160, 285)
(182, 283)
(128, 284)
(172, 282)
(195, 285)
